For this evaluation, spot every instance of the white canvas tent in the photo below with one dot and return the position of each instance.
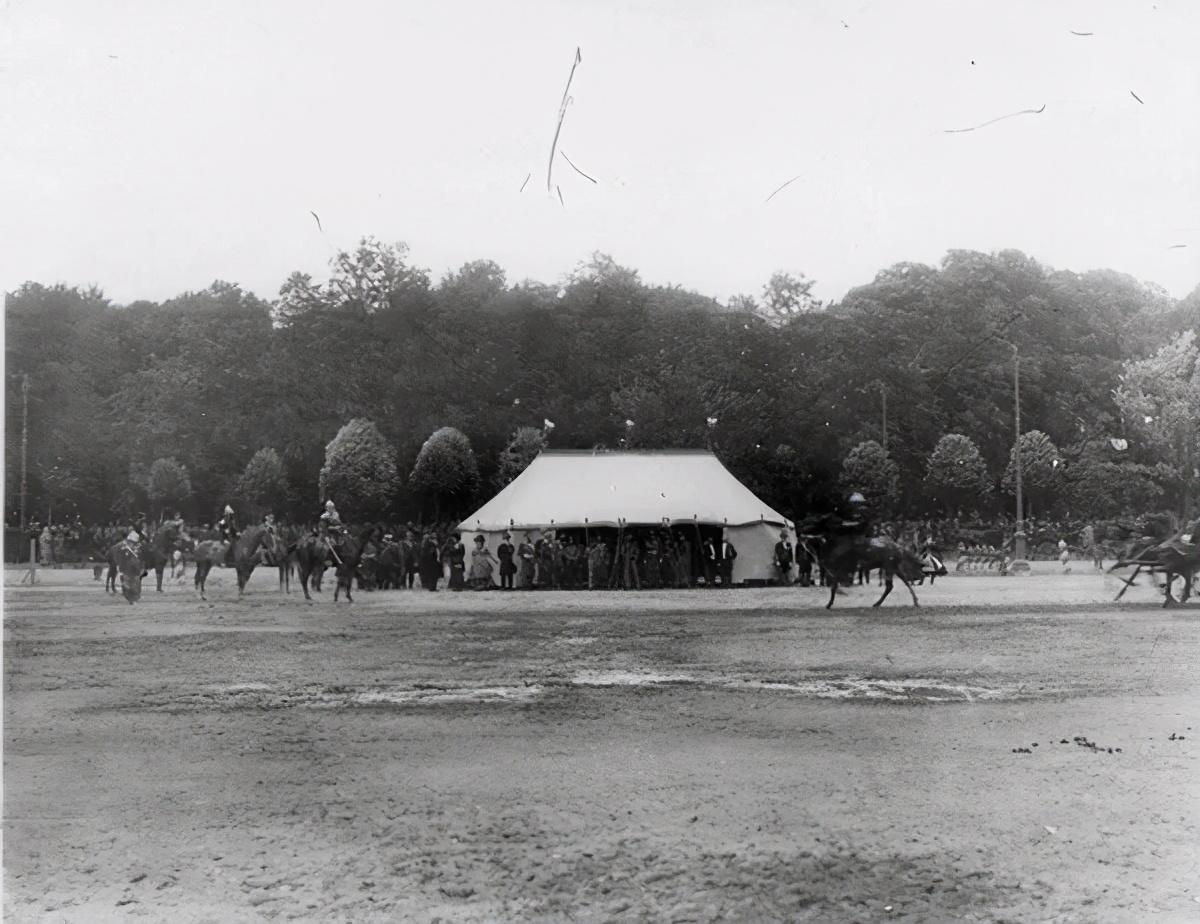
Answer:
(591, 489)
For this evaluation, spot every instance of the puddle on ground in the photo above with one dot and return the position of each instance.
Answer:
(265, 696)
(627, 678)
(917, 690)
(899, 691)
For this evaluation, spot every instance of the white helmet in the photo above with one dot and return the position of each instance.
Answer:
(133, 536)
(329, 504)
(228, 511)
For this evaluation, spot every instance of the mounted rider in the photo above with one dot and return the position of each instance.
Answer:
(133, 542)
(175, 523)
(227, 527)
(329, 527)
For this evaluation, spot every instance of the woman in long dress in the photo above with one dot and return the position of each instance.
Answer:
(457, 555)
(430, 567)
(482, 562)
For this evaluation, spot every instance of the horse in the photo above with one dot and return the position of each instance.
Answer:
(842, 556)
(283, 557)
(129, 564)
(310, 554)
(348, 551)
(159, 551)
(932, 567)
(1172, 559)
(245, 555)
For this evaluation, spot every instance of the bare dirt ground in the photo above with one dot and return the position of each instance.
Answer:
(1017, 749)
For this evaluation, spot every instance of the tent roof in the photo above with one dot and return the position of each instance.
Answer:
(563, 488)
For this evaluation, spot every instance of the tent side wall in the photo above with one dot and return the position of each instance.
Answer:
(755, 544)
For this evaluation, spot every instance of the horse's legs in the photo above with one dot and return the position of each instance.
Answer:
(833, 585)
(158, 572)
(911, 592)
(1128, 583)
(1169, 598)
(886, 590)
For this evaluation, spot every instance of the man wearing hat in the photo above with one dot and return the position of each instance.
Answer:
(329, 521)
(784, 556)
(226, 525)
(410, 553)
(507, 569)
(133, 542)
(329, 526)
(726, 553)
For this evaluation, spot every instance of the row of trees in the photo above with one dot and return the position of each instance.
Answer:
(218, 394)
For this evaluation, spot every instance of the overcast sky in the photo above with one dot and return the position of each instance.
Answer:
(154, 147)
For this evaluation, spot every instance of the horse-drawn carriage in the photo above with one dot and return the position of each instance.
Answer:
(1175, 559)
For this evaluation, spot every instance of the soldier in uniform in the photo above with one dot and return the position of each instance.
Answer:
(227, 526)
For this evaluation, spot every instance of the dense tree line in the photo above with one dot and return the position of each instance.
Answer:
(220, 395)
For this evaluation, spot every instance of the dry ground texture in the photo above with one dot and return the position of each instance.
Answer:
(1017, 749)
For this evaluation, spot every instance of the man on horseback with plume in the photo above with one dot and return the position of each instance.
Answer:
(329, 527)
(227, 527)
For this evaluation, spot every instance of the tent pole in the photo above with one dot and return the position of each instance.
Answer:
(616, 579)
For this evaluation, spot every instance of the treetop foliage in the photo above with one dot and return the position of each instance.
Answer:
(782, 388)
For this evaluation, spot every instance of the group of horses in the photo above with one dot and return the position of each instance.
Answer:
(839, 557)
(310, 556)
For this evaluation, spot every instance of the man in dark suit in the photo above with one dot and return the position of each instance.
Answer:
(784, 556)
(726, 553)
(708, 552)
(507, 567)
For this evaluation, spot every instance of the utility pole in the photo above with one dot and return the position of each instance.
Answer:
(24, 439)
(1019, 565)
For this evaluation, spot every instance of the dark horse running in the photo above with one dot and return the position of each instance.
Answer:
(311, 556)
(245, 555)
(313, 552)
(160, 550)
(842, 556)
(124, 561)
(1172, 559)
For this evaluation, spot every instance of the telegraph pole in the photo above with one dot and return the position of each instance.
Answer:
(24, 439)
(1019, 565)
